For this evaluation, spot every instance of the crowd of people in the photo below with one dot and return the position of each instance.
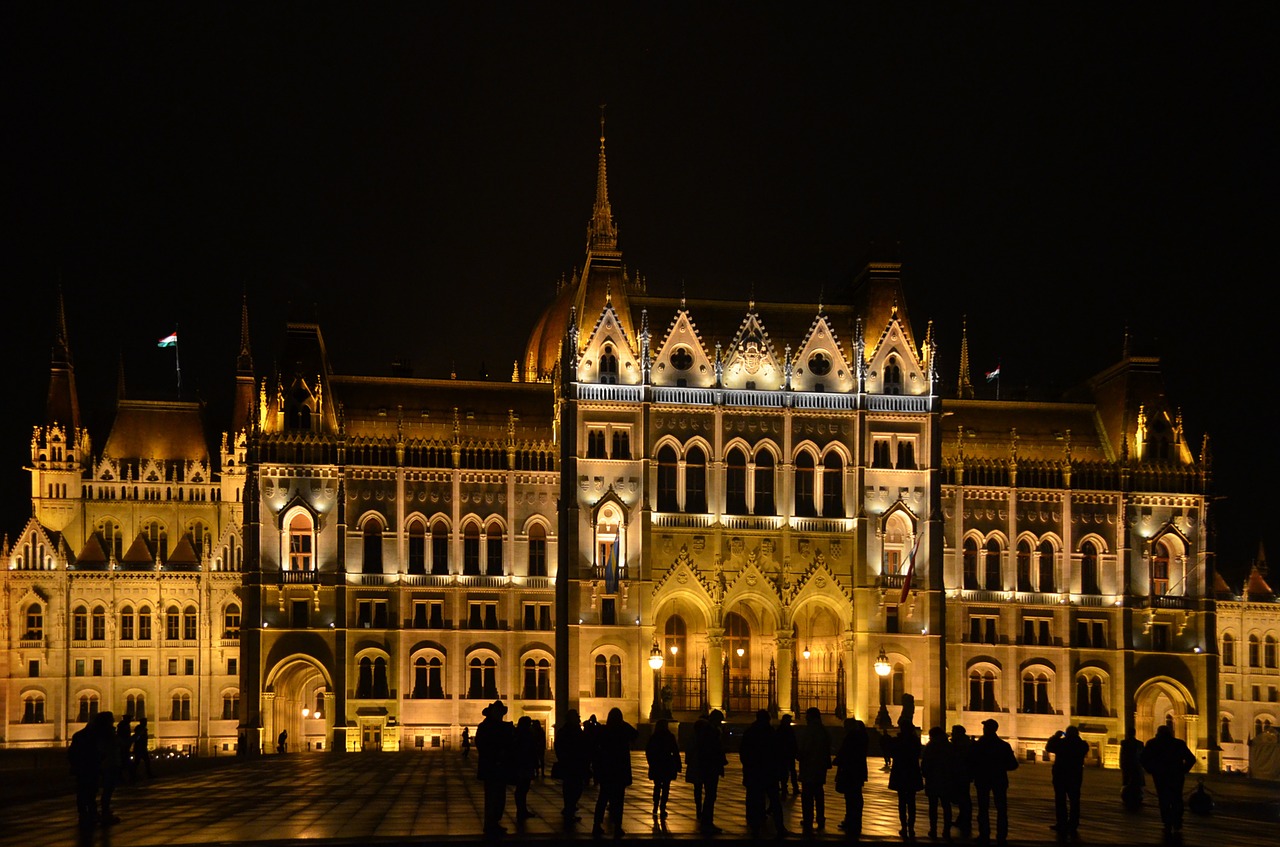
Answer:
(951, 769)
(103, 755)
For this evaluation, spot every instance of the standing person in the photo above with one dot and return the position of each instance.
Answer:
(141, 751)
(86, 767)
(124, 741)
(962, 779)
(1168, 759)
(109, 756)
(524, 763)
(613, 770)
(573, 763)
(1069, 751)
(540, 746)
(1132, 781)
(813, 752)
(785, 738)
(662, 753)
(936, 764)
(761, 767)
(466, 742)
(282, 741)
(992, 760)
(711, 762)
(904, 774)
(493, 754)
(851, 774)
(692, 770)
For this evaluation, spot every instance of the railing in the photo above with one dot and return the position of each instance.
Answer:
(687, 693)
(484, 581)
(1170, 601)
(821, 524)
(816, 692)
(1038, 598)
(1096, 600)
(684, 396)
(370, 578)
(750, 397)
(979, 595)
(744, 695)
(299, 577)
(825, 402)
(892, 580)
(767, 522)
(433, 580)
(620, 393)
(897, 403)
(539, 582)
(679, 519)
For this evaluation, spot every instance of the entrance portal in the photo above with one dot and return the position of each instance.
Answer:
(298, 701)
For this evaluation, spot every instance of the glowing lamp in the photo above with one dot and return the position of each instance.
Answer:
(805, 652)
(675, 648)
(306, 713)
(882, 664)
(655, 657)
(741, 652)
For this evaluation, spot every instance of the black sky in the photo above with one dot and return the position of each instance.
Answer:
(418, 176)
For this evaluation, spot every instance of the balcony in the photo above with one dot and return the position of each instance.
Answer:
(299, 577)
(614, 393)
(1171, 601)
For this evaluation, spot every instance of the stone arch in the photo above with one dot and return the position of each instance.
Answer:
(1164, 700)
(290, 687)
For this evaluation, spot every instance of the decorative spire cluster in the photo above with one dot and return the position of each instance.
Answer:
(602, 233)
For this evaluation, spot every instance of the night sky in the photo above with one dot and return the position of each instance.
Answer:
(419, 176)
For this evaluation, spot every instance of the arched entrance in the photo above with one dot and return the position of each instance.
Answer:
(1164, 701)
(298, 700)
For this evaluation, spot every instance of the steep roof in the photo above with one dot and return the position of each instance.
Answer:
(165, 430)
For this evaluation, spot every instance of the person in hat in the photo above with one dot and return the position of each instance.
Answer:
(494, 737)
(711, 762)
(992, 759)
(1069, 751)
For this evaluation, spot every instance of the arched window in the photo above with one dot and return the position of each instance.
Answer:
(135, 706)
(439, 548)
(1035, 693)
(419, 690)
(621, 444)
(737, 644)
(615, 677)
(1269, 652)
(471, 550)
(1024, 566)
(764, 502)
(897, 684)
(230, 705)
(144, 623)
(537, 550)
(364, 679)
(1089, 701)
(33, 708)
(372, 547)
(189, 619)
(482, 679)
(675, 645)
(172, 624)
(1254, 655)
(537, 679)
(695, 480)
(180, 707)
(493, 550)
(892, 376)
(595, 444)
(880, 454)
(667, 472)
(1261, 725)
(1046, 583)
(1160, 568)
(608, 366)
(300, 544)
(970, 564)
(1224, 733)
(35, 623)
(126, 624)
(992, 581)
(88, 708)
(806, 507)
(231, 622)
(832, 486)
(80, 624)
(380, 688)
(1228, 650)
(428, 679)
(1089, 582)
(982, 690)
(98, 624)
(417, 547)
(735, 483)
(906, 454)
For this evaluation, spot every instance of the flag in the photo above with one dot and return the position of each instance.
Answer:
(911, 568)
(170, 340)
(993, 375)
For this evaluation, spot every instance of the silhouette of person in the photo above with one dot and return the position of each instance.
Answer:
(141, 751)
(813, 752)
(962, 779)
(785, 738)
(904, 774)
(86, 766)
(692, 771)
(493, 754)
(524, 762)
(761, 767)
(124, 741)
(612, 763)
(466, 742)
(662, 753)
(1168, 759)
(1132, 780)
(1069, 751)
(711, 762)
(851, 774)
(992, 759)
(109, 754)
(937, 761)
(540, 748)
(573, 764)
(282, 741)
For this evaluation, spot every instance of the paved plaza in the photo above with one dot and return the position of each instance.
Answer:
(432, 796)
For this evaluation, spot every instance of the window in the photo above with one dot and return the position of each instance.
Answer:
(537, 680)
(621, 443)
(674, 645)
(806, 507)
(880, 454)
(1089, 583)
(681, 359)
(695, 480)
(180, 707)
(144, 667)
(371, 614)
(891, 619)
(428, 614)
(1254, 661)
(300, 614)
(88, 708)
(737, 644)
(381, 689)
(1160, 569)
(173, 667)
(906, 453)
(482, 615)
(126, 667)
(33, 668)
(595, 443)
(79, 667)
(608, 611)
(1036, 631)
(892, 376)
(80, 624)
(439, 549)
(189, 624)
(230, 705)
(135, 706)
(1035, 693)
(897, 684)
(126, 623)
(1161, 636)
(608, 366)
(372, 547)
(471, 550)
(764, 502)
(970, 564)
(1045, 582)
(231, 623)
(608, 676)
(364, 678)
(736, 483)
(417, 548)
(667, 472)
(482, 679)
(35, 623)
(144, 623)
(1228, 651)
(172, 624)
(1023, 565)
(537, 550)
(97, 667)
(982, 629)
(493, 551)
(1269, 652)
(1229, 692)
(1224, 734)
(819, 364)
(982, 691)
(832, 486)
(991, 577)
(428, 679)
(1091, 633)
(537, 616)
(232, 667)
(33, 708)
(300, 542)
(1089, 701)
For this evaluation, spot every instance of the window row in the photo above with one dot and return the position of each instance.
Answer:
(134, 707)
(428, 681)
(1035, 570)
(750, 483)
(1262, 653)
(1037, 693)
(91, 624)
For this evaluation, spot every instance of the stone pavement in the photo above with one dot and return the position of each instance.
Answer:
(426, 797)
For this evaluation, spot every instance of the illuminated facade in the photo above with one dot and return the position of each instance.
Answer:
(775, 498)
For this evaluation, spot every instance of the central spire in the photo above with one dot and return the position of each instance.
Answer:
(602, 234)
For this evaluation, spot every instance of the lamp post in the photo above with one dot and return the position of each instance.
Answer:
(657, 711)
(883, 668)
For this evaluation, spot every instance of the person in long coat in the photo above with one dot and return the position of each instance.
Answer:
(813, 752)
(573, 764)
(1168, 759)
(937, 761)
(612, 766)
(1069, 751)
(962, 780)
(761, 773)
(904, 775)
(662, 753)
(992, 759)
(493, 755)
(710, 762)
(524, 763)
(851, 774)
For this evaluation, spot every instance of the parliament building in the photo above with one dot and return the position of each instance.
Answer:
(674, 505)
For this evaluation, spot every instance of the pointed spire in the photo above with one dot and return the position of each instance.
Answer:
(964, 390)
(242, 412)
(62, 404)
(646, 359)
(244, 363)
(602, 233)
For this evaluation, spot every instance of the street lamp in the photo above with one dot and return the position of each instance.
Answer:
(657, 711)
(883, 669)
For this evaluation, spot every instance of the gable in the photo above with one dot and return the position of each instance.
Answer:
(609, 338)
(893, 350)
(820, 362)
(683, 356)
(750, 360)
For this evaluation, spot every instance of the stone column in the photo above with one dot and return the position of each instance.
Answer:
(715, 668)
(785, 647)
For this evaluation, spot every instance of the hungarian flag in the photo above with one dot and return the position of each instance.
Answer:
(170, 340)
(911, 568)
(992, 376)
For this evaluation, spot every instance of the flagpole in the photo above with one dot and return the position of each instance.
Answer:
(177, 364)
